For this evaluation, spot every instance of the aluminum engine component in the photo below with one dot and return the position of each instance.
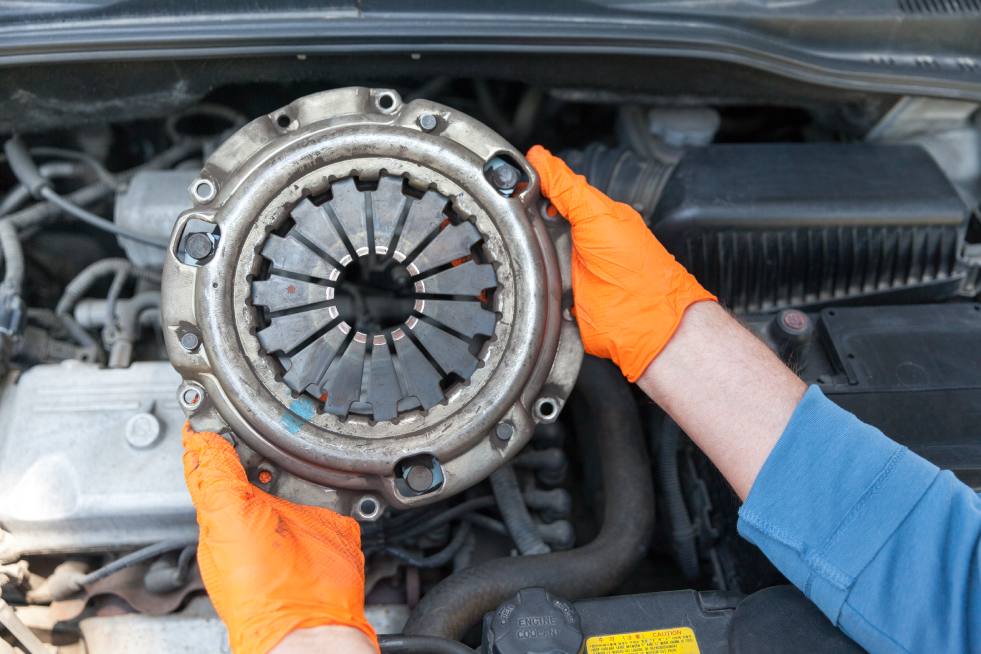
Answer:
(90, 460)
(374, 299)
(149, 204)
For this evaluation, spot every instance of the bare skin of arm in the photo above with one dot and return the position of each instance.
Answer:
(726, 390)
(325, 639)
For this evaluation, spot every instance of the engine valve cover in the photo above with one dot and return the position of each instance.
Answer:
(366, 300)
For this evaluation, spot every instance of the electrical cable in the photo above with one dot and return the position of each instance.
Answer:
(100, 171)
(436, 560)
(51, 170)
(487, 522)
(98, 222)
(139, 556)
(474, 504)
(41, 211)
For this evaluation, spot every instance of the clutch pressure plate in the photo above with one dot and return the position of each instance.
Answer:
(367, 301)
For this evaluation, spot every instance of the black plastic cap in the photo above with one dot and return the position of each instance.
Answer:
(791, 330)
(535, 621)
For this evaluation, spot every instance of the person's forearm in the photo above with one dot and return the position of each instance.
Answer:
(725, 389)
(325, 639)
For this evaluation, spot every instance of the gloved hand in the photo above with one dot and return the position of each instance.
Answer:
(630, 293)
(270, 566)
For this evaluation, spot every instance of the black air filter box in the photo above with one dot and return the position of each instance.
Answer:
(767, 226)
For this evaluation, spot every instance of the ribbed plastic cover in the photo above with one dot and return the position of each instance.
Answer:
(768, 226)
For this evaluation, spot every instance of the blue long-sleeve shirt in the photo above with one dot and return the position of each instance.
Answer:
(887, 545)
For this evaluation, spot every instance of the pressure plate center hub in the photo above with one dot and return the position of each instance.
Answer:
(376, 299)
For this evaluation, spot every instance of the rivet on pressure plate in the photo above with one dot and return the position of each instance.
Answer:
(190, 341)
(504, 431)
(427, 122)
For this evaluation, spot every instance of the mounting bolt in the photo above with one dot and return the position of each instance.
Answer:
(419, 478)
(190, 396)
(199, 245)
(427, 122)
(504, 431)
(420, 474)
(190, 341)
(504, 176)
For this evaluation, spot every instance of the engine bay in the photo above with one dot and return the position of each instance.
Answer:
(360, 287)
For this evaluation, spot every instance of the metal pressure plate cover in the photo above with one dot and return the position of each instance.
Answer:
(367, 301)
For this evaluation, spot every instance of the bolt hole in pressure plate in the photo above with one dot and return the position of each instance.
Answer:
(373, 293)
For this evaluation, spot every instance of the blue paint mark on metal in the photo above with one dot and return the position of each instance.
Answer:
(300, 411)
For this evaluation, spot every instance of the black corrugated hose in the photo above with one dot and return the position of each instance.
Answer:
(606, 403)
(682, 530)
(622, 174)
(513, 509)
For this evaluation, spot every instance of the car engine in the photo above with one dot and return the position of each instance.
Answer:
(346, 268)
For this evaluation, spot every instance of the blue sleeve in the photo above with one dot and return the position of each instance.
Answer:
(883, 542)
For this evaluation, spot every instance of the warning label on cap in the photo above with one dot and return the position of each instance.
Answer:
(680, 640)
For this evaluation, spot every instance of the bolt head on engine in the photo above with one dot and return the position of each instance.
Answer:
(375, 307)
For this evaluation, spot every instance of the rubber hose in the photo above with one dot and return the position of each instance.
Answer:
(513, 509)
(80, 285)
(129, 312)
(462, 599)
(398, 644)
(13, 258)
(38, 213)
(84, 280)
(682, 531)
(622, 174)
(23, 167)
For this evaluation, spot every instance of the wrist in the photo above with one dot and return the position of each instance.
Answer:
(651, 337)
(726, 390)
(327, 638)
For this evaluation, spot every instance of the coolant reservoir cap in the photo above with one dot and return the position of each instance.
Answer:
(533, 621)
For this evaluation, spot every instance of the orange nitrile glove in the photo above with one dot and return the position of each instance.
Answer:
(630, 293)
(269, 566)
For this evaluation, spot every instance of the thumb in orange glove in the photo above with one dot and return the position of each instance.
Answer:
(629, 291)
(270, 566)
